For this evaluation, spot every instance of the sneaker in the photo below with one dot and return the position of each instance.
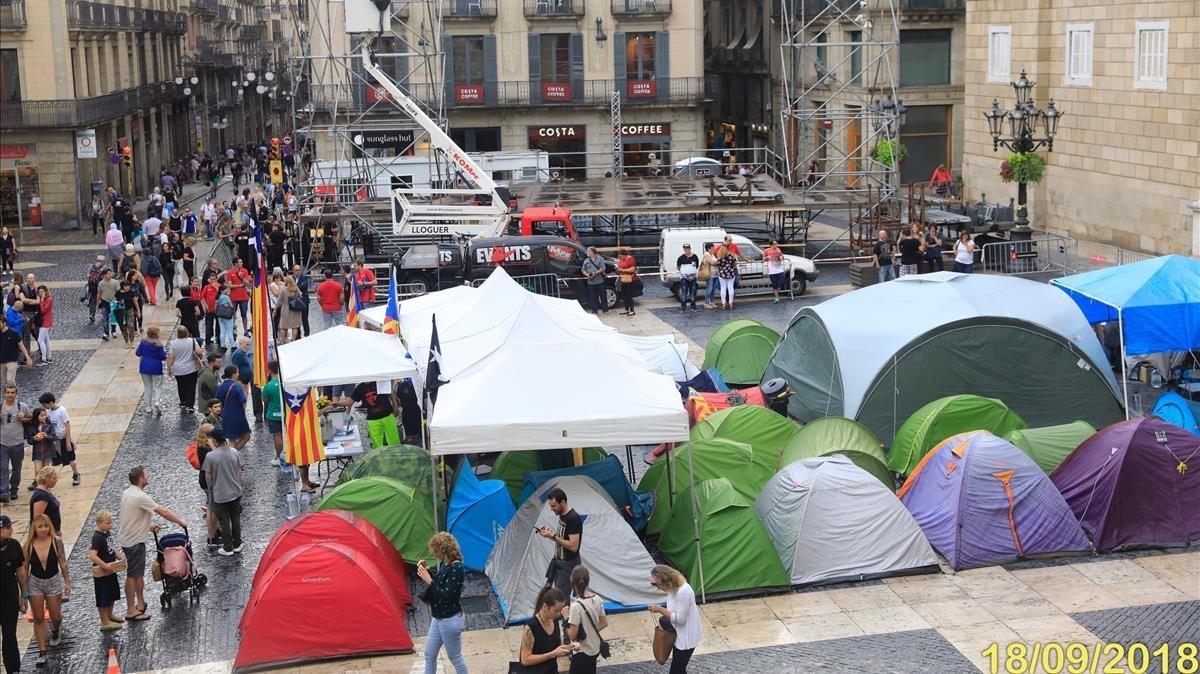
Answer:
(238, 548)
(32, 486)
(75, 480)
(41, 659)
(3, 500)
(777, 301)
(214, 543)
(104, 337)
(275, 462)
(55, 636)
(225, 553)
(42, 363)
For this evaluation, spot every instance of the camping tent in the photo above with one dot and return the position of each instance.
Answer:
(538, 396)
(1050, 445)
(512, 467)
(478, 512)
(944, 417)
(981, 501)
(342, 354)
(763, 429)
(1175, 409)
(737, 552)
(739, 350)
(879, 353)
(670, 476)
(362, 614)
(609, 474)
(831, 520)
(1135, 483)
(664, 353)
(838, 435)
(616, 558)
(411, 465)
(403, 514)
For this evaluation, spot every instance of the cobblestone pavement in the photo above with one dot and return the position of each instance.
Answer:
(1173, 624)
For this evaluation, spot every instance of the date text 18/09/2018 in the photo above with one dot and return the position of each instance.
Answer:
(1098, 658)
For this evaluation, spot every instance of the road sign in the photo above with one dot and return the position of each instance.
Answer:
(85, 144)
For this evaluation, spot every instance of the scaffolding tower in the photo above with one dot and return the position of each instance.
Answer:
(839, 104)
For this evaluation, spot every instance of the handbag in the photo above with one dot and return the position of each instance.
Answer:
(295, 302)
(605, 651)
(664, 641)
(226, 310)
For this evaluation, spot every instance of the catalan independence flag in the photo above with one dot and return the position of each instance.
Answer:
(391, 318)
(260, 310)
(354, 303)
(304, 446)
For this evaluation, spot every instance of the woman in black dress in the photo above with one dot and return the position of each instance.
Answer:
(541, 644)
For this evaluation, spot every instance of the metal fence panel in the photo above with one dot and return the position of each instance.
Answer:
(1043, 253)
(539, 284)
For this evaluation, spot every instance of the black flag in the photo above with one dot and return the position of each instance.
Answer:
(433, 370)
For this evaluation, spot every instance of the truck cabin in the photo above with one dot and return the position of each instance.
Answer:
(548, 221)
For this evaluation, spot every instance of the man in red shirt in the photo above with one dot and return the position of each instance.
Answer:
(208, 299)
(240, 284)
(330, 296)
(366, 284)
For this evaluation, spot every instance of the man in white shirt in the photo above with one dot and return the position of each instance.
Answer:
(208, 214)
(136, 510)
(151, 226)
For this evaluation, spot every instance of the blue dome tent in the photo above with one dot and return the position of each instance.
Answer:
(479, 511)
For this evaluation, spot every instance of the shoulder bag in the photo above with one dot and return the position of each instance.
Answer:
(226, 310)
(605, 651)
(295, 302)
(664, 641)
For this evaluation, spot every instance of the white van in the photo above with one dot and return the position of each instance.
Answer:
(752, 272)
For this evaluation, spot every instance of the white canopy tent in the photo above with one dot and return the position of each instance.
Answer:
(343, 355)
(548, 396)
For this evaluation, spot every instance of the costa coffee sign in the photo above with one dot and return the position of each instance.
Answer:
(468, 94)
(638, 130)
(573, 132)
(556, 91)
(642, 88)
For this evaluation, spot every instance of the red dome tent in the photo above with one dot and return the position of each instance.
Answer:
(367, 613)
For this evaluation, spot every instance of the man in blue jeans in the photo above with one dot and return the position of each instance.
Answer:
(593, 270)
(13, 416)
(882, 257)
(689, 266)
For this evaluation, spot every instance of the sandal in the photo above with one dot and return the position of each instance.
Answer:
(111, 628)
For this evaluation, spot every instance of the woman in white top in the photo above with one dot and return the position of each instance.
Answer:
(586, 618)
(964, 253)
(680, 615)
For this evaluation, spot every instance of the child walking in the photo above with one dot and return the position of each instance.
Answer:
(105, 556)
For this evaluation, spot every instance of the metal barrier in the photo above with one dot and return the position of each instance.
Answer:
(1090, 255)
(406, 291)
(1041, 254)
(539, 284)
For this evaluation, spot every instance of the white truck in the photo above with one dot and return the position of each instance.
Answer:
(752, 272)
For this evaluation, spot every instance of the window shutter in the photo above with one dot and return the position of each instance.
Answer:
(490, 86)
(662, 64)
(448, 70)
(575, 48)
(619, 62)
(535, 69)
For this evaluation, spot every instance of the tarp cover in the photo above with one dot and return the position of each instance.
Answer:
(700, 405)
(839, 435)
(1158, 300)
(667, 355)
(362, 614)
(762, 428)
(831, 520)
(636, 506)
(737, 553)
(402, 513)
(478, 512)
(343, 355)
(618, 562)
(1175, 409)
(409, 464)
(740, 349)
(1135, 483)
(1048, 446)
(981, 501)
(512, 467)
(943, 418)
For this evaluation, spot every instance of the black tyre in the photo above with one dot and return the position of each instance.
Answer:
(201, 580)
(675, 291)
(799, 285)
(610, 298)
(424, 281)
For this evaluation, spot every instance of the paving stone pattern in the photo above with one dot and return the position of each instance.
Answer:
(1174, 624)
(918, 652)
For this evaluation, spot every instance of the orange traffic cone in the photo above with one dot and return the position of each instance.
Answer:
(113, 667)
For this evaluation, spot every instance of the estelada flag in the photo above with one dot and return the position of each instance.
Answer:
(352, 307)
(260, 309)
(391, 318)
(304, 446)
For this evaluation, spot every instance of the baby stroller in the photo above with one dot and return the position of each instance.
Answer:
(173, 552)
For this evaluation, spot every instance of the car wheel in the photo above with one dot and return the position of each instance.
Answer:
(423, 283)
(675, 291)
(799, 285)
(610, 298)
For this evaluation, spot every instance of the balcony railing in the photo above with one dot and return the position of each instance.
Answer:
(12, 15)
(936, 6)
(224, 15)
(95, 15)
(84, 111)
(634, 8)
(208, 7)
(469, 9)
(255, 33)
(814, 9)
(549, 9)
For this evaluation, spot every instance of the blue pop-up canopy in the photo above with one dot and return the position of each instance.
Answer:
(478, 512)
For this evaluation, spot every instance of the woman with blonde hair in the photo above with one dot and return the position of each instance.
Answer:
(443, 596)
(47, 581)
(680, 616)
(288, 323)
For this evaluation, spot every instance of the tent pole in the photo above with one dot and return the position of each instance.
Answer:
(1124, 366)
(696, 526)
(629, 461)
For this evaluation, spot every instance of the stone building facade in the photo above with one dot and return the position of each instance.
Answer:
(1125, 169)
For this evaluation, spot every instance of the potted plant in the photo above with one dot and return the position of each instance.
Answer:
(889, 152)
(1022, 167)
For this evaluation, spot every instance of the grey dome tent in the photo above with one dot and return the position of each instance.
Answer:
(610, 549)
(879, 353)
(833, 521)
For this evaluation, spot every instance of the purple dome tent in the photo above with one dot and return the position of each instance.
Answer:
(980, 500)
(1135, 483)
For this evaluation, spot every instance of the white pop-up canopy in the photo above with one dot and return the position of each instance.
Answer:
(343, 355)
(420, 305)
(548, 396)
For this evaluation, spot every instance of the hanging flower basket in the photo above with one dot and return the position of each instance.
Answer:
(1022, 167)
(889, 152)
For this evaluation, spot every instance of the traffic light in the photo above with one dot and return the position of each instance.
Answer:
(127, 156)
(274, 148)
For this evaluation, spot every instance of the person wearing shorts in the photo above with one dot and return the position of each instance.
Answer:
(776, 268)
(47, 582)
(273, 409)
(137, 509)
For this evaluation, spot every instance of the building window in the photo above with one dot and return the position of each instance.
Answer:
(999, 53)
(924, 57)
(926, 134)
(855, 56)
(1150, 55)
(639, 56)
(478, 139)
(556, 57)
(468, 58)
(821, 57)
(1079, 54)
(10, 77)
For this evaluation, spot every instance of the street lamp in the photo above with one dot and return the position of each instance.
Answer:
(889, 115)
(1022, 136)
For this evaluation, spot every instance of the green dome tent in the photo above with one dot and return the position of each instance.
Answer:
(711, 458)
(737, 553)
(512, 467)
(838, 435)
(764, 430)
(402, 513)
(943, 418)
(1048, 446)
(408, 464)
(740, 349)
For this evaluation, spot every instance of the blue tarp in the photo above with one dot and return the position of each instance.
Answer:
(635, 505)
(479, 511)
(708, 381)
(1158, 301)
(1175, 409)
